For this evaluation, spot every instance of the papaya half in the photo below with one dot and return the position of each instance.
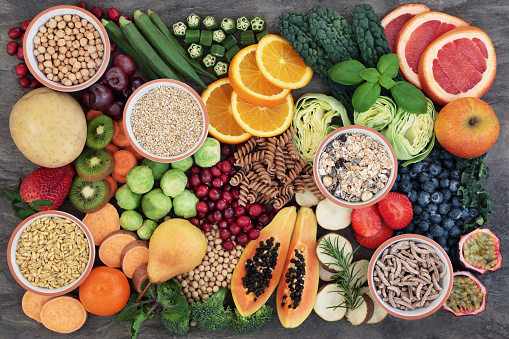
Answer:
(298, 286)
(259, 268)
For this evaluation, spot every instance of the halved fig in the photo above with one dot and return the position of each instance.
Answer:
(479, 251)
(468, 295)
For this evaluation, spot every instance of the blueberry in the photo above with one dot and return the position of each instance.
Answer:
(455, 231)
(405, 186)
(465, 214)
(444, 174)
(415, 185)
(415, 219)
(405, 177)
(444, 208)
(436, 230)
(431, 208)
(423, 199)
(398, 177)
(435, 218)
(423, 226)
(410, 227)
(455, 213)
(435, 181)
(446, 193)
(423, 177)
(434, 154)
(456, 201)
(395, 187)
(413, 174)
(420, 166)
(455, 174)
(417, 209)
(428, 186)
(424, 216)
(447, 251)
(412, 196)
(444, 183)
(447, 223)
(473, 212)
(446, 234)
(454, 184)
(449, 164)
(446, 155)
(437, 197)
(435, 167)
(429, 235)
(452, 241)
(441, 241)
(404, 170)
(459, 223)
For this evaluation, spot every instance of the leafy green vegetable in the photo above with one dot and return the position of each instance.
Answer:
(243, 325)
(409, 97)
(210, 314)
(314, 114)
(365, 96)
(347, 72)
(378, 116)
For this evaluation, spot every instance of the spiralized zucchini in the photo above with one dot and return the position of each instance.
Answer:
(377, 116)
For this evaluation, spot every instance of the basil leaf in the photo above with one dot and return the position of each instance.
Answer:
(386, 82)
(365, 96)
(370, 74)
(388, 64)
(347, 72)
(409, 97)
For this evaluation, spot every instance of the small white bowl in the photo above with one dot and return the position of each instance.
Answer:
(33, 29)
(14, 268)
(445, 282)
(375, 135)
(142, 90)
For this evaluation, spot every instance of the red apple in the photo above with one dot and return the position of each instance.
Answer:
(467, 127)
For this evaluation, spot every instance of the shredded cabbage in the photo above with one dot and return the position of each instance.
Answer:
(412, 135)
(312, 121)
(378, 116)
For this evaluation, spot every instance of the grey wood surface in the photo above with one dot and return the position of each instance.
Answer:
(490, 15)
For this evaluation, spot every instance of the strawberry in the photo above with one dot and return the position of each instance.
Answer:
(366, 221)
(42, 190)
(376, 240)
(396, 210)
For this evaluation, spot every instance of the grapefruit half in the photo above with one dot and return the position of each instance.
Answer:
(416, 35)
(461, 63)
(395, 20)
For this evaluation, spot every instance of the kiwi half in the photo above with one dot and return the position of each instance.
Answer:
(94, 164)
(89, 196)
(100, 131)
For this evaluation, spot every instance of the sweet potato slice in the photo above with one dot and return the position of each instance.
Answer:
(102, 222)
(63, 314)
(32, 304)
(112, 246)
(139, 276)
(133, 255)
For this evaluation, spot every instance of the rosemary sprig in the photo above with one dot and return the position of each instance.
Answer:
(347, 282)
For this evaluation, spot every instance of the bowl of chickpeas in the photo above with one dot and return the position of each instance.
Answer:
(66, 48)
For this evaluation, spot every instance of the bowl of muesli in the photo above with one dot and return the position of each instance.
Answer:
(355, 166)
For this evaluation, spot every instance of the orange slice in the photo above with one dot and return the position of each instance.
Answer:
(222, 125)
(250, 84)
(280, 64)
(263, 121)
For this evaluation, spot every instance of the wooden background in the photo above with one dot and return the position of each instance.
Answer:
(490, 15)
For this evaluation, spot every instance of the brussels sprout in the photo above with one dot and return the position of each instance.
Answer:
(131, 220)
(140, 179)
(184, 204)
(147, 228)
(158, 168)
(183, 164)
(155, 204)
(209, 153)
(127, 199)
(173, 182)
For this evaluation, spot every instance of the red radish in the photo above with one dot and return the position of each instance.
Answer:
(24, 25)
(12, 48)
(24, 82)
(14, 32)
(83, 5)
(19, 53)
(113, 14)
(98, 12)
(21, 69)
(35, 84)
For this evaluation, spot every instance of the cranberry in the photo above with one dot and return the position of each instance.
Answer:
(226, 167)
(236, 193)
(205, 175)
(15, 32)
(227, 196)
(195, 170)
(24, 25)
(242, 239)
(12, 48)
(195, 180)
(234, 204)
(188, 185)
(125, 17)
(234, 228)
(229, 213)
(258, 227)
(22, 38)
(215, 170)
(228, 245)
(226, 150)
(98, 12)
(195, 221)
(210, 218)
(21, 69)
(202, 207)
(19, 53)
(201, 192)
(83, 5)
(223, 224)
(248, 227)
(263, 218)
(275, 210)
(35, 83)
(113, 48)
(212, 205)
(215, 194)
(243, 220)
(201, 216)
(233, 171)
(264, 208)
(248, 206)
(217, 216)
(224, 234)
(113, 14)
(221, 205)
(225, 178)
(253, 234)
(271, 215)
(217, 183)
(24, 82)
(227, 187)
(205, 227)
(255, 210)
(240, 210)
(231, 159)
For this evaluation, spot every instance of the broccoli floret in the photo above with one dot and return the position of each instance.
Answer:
(176, 324)
(210, 314)
(242, 325)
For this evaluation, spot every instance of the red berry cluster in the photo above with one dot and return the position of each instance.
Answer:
(219, 203)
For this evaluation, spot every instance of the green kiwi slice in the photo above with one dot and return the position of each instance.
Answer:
(89, 196)
(99, 132)
(94, 164)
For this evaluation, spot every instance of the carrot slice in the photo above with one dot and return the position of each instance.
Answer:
(139, 276)
(137, 155)
(63, 314)
(133, 255)
(112, 246)
(124, 161)
(119, 178)
(92, 114)
(32, 304)
(112, 148)
(113, 185)
(119, 137)
(102, 222)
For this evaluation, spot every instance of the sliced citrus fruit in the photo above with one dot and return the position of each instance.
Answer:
(395, 20)
(460, 63)
(280, 64)
(416, 35)
(222, 125)
(263, 121)
(250, 84)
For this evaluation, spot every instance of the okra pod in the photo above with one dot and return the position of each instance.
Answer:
(193, 21)
(206, 38)
(221, 68)
(210, 23)
(228, 25)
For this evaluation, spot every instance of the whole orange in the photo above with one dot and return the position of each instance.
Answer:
(105, 291)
